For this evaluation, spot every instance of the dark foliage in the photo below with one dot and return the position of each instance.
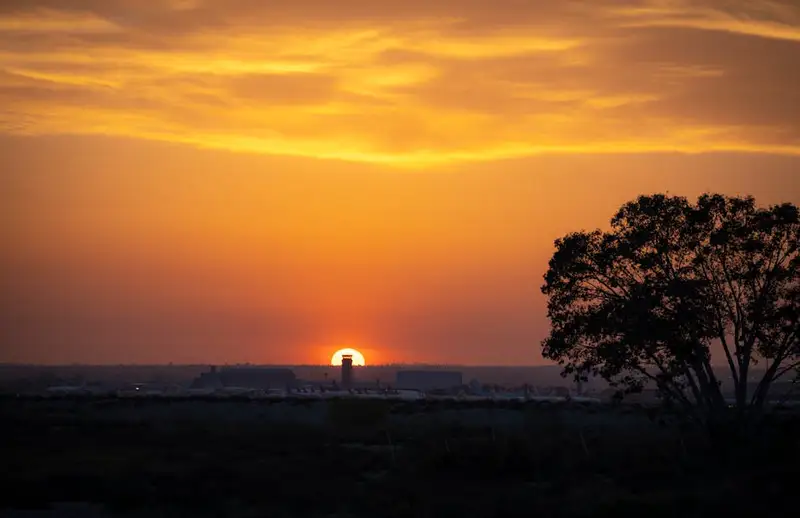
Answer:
(644, 302)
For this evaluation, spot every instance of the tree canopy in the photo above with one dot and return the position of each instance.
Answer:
(647, 301)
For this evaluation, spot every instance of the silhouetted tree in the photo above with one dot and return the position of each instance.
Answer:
(644, 302)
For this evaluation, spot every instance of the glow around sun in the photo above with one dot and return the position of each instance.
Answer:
(358, 358)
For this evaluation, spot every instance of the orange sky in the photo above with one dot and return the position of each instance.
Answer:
(239, 180)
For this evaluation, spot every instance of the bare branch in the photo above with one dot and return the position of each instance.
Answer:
(786, 369)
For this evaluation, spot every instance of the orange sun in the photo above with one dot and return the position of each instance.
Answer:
(358, 358)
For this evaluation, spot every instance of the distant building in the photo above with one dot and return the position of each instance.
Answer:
(428, 380)
(347, 371)
(246, 377)
(207, 380)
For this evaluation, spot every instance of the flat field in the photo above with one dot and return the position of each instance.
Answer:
(372, 458)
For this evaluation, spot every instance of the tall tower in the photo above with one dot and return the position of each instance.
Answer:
(347, 371)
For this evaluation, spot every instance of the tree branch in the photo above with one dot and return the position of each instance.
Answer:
(731, 364)
(786, 369)
(664, 385)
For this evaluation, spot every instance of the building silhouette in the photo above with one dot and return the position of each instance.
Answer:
(428, 379)
(347, 371)
(246, 377)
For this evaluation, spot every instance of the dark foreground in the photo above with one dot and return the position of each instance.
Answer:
(376, 459)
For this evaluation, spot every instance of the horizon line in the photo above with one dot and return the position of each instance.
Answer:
(210, 364)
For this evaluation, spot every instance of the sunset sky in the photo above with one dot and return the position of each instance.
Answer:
(214, 181)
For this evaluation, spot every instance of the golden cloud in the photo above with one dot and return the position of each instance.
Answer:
(404, 84)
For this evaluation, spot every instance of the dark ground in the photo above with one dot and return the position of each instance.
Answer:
(364, 463)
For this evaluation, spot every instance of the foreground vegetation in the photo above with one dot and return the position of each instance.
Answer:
(644, 303)
(362, 461)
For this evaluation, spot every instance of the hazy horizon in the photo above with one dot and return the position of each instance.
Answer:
(327, 365)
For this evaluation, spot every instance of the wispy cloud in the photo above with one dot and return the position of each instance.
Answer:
(407, 83)
(759, 18)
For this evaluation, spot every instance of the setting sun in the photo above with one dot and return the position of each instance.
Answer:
(358, 358)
